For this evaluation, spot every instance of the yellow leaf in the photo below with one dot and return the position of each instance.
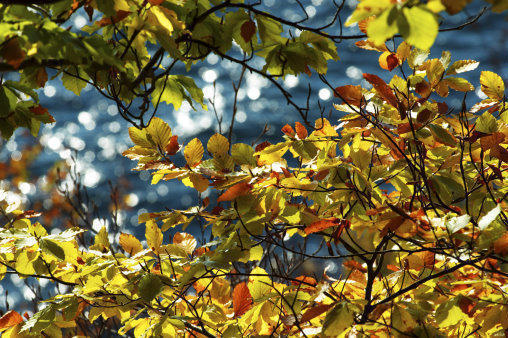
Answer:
(492, 85)
(130, 244)
(260, 284)
(153, 235)
(218, 145)
(101, 239)
(196, 181)
(160, 132)
(193, 152)
(185, 241)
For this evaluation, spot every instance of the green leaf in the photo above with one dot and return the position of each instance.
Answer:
(51, 247)
(243, 154)
(73, 84)
(339, 319)
(384, 26)
(40, 320)
(7, 101)
(269, 30)
(149, 287)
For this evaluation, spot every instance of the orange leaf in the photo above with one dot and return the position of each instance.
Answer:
(314, 312)
(155, 2)
(388, 61)
(350, 94)
(11, 318)
(352, 264)
(13, 54)
(491, 141)
(301, 131)
(247, 30)
(306, 280)
(242, 299)
(235, 191)
(382, 88)
(501, 245)
(322, 224)
(172, 147)
(288, 130)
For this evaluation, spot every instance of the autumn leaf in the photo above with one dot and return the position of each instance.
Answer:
(501, 245)
(172, 147)
(322, 225)
(350, 94)
(9, 319)
(153, 235)
(388, 61)
(301, 131)
(119, 16)
(288, 130)
(242, 299)
(13, 54)
(235, 191)
(315, 311)
(41, 77)
(381, 88)
(130, 244)
(185, 241)
(155, 2)
(247, 30)
(193, 152)
(492, 85)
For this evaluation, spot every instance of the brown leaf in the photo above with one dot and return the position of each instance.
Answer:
(491, 141)
(305, 280)
(9, 319)
(352, 264)
(235, 191)
(155, 2)
(288, 130)
(41, 77)
(499, 153)
(247, 30)
(423, 88)
(242, 299)
(350, 94)
(382, 88)
(119, 16)
(467, 306)
(301, 131)
(12, 53)
(172, 147)
(501, 245)
(314, 312)
(424, 116)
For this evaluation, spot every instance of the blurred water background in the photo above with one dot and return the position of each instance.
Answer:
(91, 127)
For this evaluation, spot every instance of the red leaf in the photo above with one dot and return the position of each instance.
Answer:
(242, 299)
(314, 312)
(247, 30)
(235, 191)
(467, 306)
(350, 94)
(388, 61)
(382, 88)
(172, 147)
(262, 146)
(11, 318)
(500, 153)
(301, 131)
(288, 130)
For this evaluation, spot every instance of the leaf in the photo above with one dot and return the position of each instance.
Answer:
(10, 318)
(301, 131)
(243, 154)
(491, 141)
(322, 225)
(159, 132)
(288, 130)
(442, 135)
(260, 284)
(488, 218)
(53, 248)
(388, 61)
(501, 245)
(486, 123)
(454, 224)
(381, 88)
(149, 286)
(315, 311)
(239, 189)
(350, 94)
(338, 320)
(119, 16)
(155, 2)
(172, 147)
(422, 27)
(247, 30)
(462, 66)
(130, 244)
(41, 77)
(185, 241)
(153, 235)
(459, 84)
(449, 313)
(242, 299)
(384, 26)
(193, 152)
(218, 145)
(12, 52)
(492, 85)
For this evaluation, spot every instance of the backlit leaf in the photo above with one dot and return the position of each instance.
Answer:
(350, 94)
(242, 299)
(185, 241)
(501, 245)
(339, 319)
(193, 152)
(488, 218)
(301, 131)
(382, 88)
(130, 244)
(10, 318)
(235, 191)
(218, 145)
(153, 235)
(492, 85)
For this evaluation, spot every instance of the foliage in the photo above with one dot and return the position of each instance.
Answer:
(406, 194)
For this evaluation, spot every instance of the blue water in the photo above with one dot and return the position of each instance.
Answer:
(92, 127)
